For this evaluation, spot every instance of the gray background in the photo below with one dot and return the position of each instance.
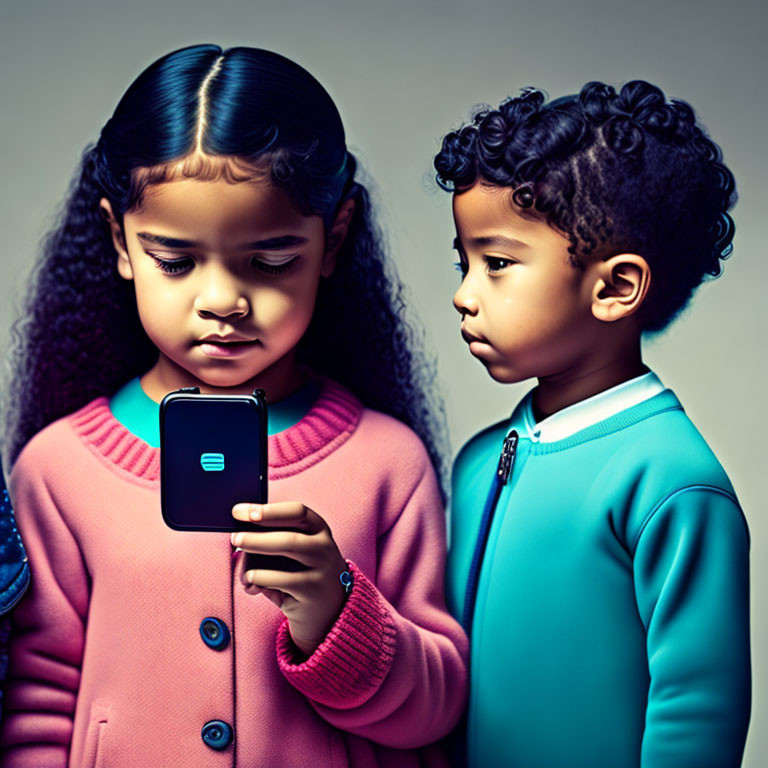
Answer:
(402, 75)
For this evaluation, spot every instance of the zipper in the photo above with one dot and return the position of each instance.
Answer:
(507, 458)
(500, 479)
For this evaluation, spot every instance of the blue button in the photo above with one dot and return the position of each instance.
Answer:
(215, 633)
(217, 734)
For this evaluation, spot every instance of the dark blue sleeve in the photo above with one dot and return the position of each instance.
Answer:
(14, 570)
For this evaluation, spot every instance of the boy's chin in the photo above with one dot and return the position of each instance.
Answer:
(506, 375)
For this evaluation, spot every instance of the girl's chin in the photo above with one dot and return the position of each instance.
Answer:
(234, 376)
(230, 383)
(208, 378)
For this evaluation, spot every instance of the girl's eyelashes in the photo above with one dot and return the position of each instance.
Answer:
(460, 266)
(171, 266)
(276, 267)
(185, 263)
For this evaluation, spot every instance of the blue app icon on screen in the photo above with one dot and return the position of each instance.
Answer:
(212, 462)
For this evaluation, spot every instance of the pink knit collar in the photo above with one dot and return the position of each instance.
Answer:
(329, 423)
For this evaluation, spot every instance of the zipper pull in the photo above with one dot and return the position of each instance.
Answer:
(507, 458)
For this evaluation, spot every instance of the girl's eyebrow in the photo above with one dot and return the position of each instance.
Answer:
(270, 244)
(168, 242)
(276, 243)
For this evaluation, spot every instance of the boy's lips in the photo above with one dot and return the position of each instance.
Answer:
(478, 346)
(470, 337)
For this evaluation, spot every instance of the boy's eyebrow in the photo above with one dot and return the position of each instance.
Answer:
(457, 246)
(508, 242)
(270, 244)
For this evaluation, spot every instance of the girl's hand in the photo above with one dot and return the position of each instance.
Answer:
(311, 599)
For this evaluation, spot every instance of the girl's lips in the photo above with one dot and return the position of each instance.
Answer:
(228, 349)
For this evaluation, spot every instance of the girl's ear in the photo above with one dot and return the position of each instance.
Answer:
(337, 235)
(621, 286)
(118, 239)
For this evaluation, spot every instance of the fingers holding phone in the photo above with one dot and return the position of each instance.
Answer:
(310, 598)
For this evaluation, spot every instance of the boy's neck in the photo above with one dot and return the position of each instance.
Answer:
(557, 392)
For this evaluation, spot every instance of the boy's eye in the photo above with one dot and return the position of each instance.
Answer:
(172, 266)
(461, 265)
(497, 264)
(274, 266)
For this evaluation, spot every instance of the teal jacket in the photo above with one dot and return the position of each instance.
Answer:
(611, 620)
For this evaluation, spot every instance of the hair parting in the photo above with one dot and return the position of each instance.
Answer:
(202, 107)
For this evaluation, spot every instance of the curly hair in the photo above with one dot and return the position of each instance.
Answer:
(614, 172)
(79, 335)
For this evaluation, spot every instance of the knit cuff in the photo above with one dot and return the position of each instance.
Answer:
(347, 668)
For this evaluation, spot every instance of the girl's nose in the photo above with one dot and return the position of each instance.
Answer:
(221, 297)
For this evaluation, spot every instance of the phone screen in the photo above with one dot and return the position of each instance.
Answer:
(213, 454)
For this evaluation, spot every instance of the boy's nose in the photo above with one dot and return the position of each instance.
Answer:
(464, 300)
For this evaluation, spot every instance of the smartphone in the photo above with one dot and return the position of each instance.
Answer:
(213, 454)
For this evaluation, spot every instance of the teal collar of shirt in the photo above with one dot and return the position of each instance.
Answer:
(140, 414)
(594, 409)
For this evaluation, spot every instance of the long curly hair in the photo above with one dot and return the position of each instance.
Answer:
(79, 335)
(615, 172)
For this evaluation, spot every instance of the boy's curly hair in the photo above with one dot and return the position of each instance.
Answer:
(615, 172)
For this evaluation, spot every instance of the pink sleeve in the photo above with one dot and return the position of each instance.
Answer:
(393, 667)
(46, 645)
(355, 656)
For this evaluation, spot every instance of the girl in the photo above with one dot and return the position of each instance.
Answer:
(216, 238)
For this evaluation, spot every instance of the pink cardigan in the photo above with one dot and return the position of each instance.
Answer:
(107, 663)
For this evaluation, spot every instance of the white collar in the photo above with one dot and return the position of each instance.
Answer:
(584, 414)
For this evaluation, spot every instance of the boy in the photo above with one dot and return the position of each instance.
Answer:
(599, 555)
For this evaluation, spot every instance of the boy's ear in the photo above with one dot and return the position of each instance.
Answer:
(621, 286)
(337, 235)
(118, 239)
